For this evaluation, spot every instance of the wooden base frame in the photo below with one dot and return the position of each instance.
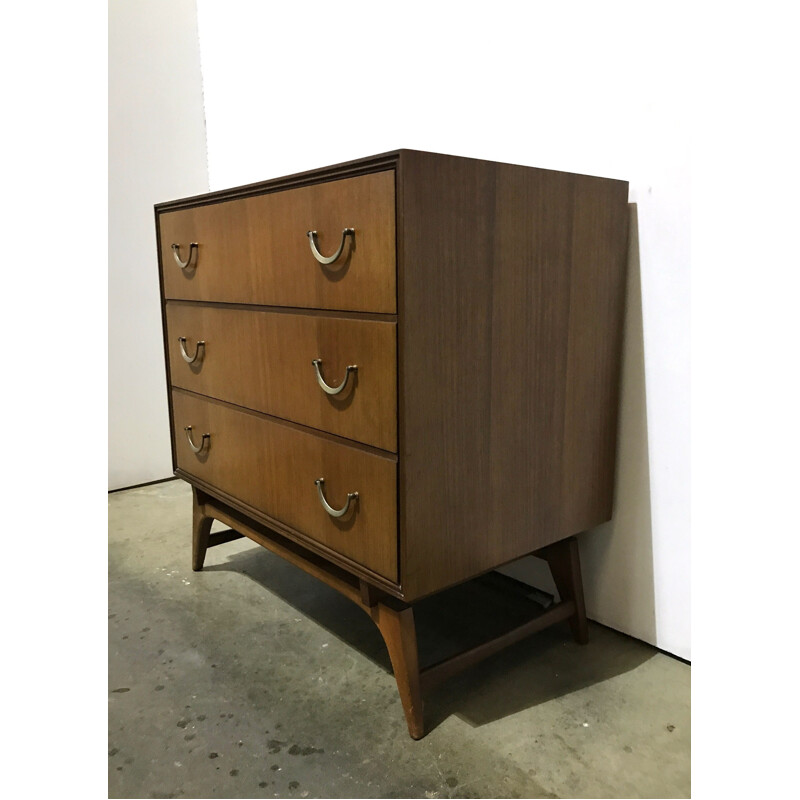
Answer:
(395, 619)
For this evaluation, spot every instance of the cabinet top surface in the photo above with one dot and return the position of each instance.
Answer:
(360, 166)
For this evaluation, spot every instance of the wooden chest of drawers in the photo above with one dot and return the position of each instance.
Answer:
(399, 373)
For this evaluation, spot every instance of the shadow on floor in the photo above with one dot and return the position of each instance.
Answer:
(543, 667)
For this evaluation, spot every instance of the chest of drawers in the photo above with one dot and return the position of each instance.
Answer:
(399, 373)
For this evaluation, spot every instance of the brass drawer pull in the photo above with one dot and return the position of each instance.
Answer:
(206, 439)
(176, 252)
(198, 351)
(312, 238)
(351, 497)
(317, 362)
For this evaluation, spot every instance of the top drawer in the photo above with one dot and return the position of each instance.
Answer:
(256, 249)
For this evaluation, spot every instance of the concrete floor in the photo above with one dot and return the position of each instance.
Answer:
(251, 679)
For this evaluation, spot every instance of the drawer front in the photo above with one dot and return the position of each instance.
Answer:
(263, 360)
(273, 467)
(256, 249)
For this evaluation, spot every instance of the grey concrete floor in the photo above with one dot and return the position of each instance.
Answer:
(252, 679)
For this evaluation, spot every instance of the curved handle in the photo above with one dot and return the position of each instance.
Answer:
(312, 239)
(317, 362)
(351, 497)
(176, 252)
(198, 351)
(195, 448)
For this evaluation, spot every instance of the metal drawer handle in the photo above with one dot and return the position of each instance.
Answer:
(176, 252)
(195, 448)
(317, 362)
(198, 351)
(312, 238)
(351, 497)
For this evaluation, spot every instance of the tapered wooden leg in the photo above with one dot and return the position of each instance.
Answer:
(201, 529)
(565, 565)
(397, 628)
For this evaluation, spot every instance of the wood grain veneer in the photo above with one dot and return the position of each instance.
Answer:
(483, 303)
(511, 290)
(255, 249)
(262, 360)
(272, 467)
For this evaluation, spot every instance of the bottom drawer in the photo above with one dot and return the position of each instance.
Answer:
(272, 466)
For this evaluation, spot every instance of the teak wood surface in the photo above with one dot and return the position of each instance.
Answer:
(503, 289)
(511, 294)
(262, 360)
(272, 466)
(255, 249)
(510, 286)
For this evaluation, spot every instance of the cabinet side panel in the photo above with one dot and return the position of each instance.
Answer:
(444, 326)
(530, 309)
(594, 359)
(509, 310)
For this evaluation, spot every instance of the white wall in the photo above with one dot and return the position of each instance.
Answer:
(290, 87)
(157, 151)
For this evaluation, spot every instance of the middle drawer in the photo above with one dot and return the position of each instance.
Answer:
(264, 360)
